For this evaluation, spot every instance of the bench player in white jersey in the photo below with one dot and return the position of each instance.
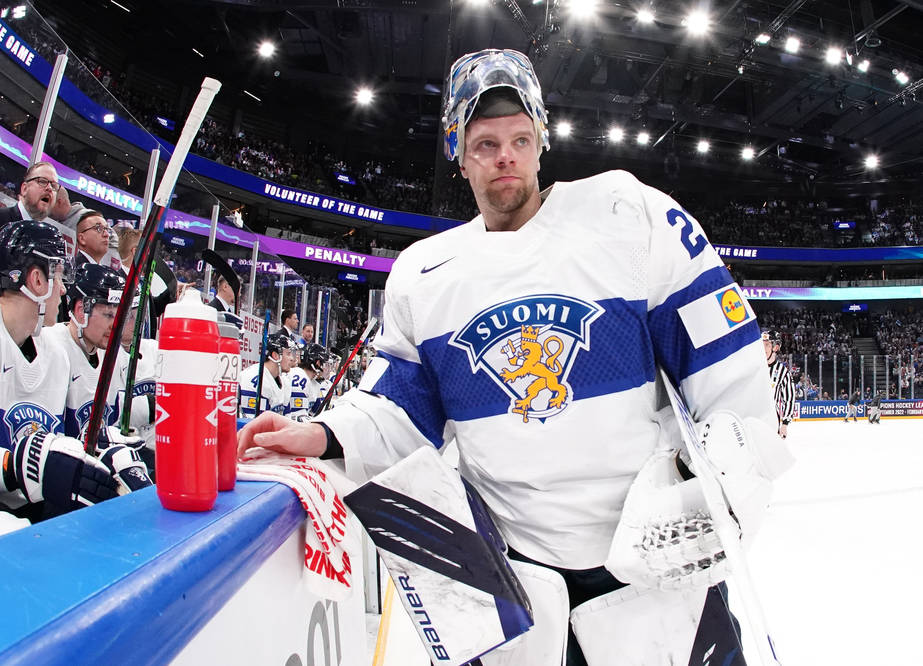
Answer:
(532, 337)
(303, 378)
(45, 473)
(277, 389)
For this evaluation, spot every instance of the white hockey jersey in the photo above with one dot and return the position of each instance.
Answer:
(537, 351)
(305, 393)
(82, 381)
(144, 386)
(276, 398)
(32, 394)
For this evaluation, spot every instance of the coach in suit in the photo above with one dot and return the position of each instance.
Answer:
(36, 195)
(224, 296)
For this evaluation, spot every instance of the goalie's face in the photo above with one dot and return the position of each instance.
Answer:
(501, 164)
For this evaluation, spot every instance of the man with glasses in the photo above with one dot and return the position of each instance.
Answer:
(92, 238)
(36, 195)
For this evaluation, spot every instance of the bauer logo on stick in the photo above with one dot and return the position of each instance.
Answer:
(528, 346)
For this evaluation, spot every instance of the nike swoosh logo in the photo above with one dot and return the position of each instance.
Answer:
(75, 378)
(7, 368)
(432, 268)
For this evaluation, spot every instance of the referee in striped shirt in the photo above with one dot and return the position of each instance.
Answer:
(783, 388)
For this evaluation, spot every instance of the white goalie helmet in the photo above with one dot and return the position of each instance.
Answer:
(474, 74)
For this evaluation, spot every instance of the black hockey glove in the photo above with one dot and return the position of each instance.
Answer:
(55, 469)
(126, 467)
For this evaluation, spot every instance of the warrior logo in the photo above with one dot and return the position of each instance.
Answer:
(528, 346)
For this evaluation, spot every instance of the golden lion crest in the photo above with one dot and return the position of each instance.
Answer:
(536, 359)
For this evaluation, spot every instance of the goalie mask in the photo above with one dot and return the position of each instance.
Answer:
(476, 73)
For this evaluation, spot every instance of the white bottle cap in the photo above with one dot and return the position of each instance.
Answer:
(190, 306)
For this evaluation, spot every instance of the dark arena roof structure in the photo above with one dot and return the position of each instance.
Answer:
(811, 123)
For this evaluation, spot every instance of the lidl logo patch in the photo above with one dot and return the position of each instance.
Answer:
(732, 305)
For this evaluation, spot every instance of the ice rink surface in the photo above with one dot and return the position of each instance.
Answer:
(837, 564)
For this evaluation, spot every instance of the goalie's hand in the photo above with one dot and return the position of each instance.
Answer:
(127, 467)
(666, 537)
(283, 435)
(55, 469)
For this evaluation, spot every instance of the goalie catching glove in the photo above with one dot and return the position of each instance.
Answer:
(666, 537)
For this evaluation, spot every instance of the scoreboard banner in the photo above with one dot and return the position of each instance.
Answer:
(821, 410)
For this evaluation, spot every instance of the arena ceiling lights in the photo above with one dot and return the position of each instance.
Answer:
(747, 153)
(871, 162)
(582, 9)
(702, 147)
(364, 96)
(645, 16)
(616, 134)
(697, 23)
(563, 128)
(266, 49)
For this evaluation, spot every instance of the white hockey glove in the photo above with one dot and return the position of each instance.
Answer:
(127, 467)
(55, 469)
(112, 436)
(665, 537)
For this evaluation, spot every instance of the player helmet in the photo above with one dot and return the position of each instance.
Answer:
(28, 243)
(95, 284)
(277, 342)
(474, 74)
(314, 356)
(773, 336)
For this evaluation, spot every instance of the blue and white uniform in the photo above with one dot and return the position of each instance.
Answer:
(82, 380)
(32, 394)
(276, 395)
(536, 350)
(305, 393)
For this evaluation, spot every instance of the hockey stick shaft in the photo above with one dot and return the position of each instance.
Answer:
(366, 334)
(727, 532)
(134, 351)
(263, 352)
(143, 259)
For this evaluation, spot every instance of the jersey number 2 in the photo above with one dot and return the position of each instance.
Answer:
(694, 246)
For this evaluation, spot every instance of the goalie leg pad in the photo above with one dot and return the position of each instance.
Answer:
(545, 643)
(634, 626)
(445, 556)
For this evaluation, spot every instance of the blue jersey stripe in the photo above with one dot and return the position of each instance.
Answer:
(412, 388)
(672, 344)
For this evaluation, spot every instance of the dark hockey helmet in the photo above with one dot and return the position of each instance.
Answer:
(95, 284)
(28, 243)
(277, 342)
(314, 356)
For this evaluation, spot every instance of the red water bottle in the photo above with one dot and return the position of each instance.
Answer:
(228, 381)
(186, 427)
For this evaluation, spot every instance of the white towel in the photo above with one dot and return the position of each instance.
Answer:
(332, 542)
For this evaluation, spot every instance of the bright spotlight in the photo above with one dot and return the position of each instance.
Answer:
(762, 38)
(747, 153)
(703, 146)
(266, 49)
(109, 118)
(792, 44)
(616, 134)
(833, 56)
(582, 8)
(643, 138)
(563, 128)
(863, 66)
(871, 162)
(645, 16)
(697, 23)
(900, 76)
(364, 96)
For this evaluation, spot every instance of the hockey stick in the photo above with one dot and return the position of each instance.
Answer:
(726, 530)
(259, 380)
(144, 257)
(370, 329)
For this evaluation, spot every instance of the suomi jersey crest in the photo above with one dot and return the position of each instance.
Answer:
(527, 346)
(26, 417)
